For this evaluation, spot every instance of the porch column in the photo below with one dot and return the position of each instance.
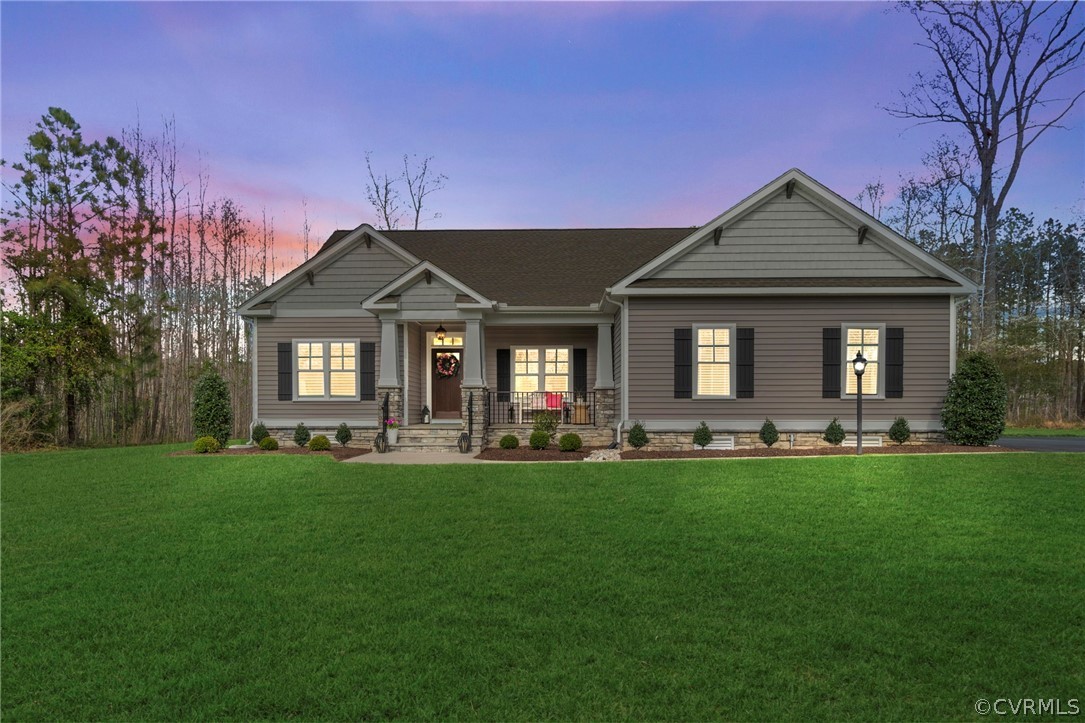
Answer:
(472, 354)
(389, 371)
(604, 357)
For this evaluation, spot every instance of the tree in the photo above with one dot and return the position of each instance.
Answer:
(995, 80)
(211, 413)
(382, 191)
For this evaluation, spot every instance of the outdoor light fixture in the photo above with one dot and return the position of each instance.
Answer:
(859, 365)
(425, 415)
(440, 333)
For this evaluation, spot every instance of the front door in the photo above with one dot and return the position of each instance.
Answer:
(446, 387)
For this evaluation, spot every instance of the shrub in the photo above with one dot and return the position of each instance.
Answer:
(637, 436)
(509, 441)
(301, 435)
(343, 434)
(206, 444)
(259, 433)
(269, 444)
(834, 433)
(769, 434)
(547, 422)
(320, 443)
(211, 414)
(539, 440)
(900, 432)
(570, 442)
(974, 412)
(702, 436)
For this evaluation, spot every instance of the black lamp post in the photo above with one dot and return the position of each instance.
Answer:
(859, 365)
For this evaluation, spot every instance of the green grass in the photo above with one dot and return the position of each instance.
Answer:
(1044, 432)
(145, 587)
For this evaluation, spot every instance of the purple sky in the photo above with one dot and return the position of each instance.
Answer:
(540, 114)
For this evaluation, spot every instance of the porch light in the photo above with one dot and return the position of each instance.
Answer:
(859, 365)
(440, 334)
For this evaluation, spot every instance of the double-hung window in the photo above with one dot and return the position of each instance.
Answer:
(537, 370)
(326, 369)
(713, 361)
(870, 340)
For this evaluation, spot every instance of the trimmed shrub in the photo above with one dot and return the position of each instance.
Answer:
(769, 434)
(320, 443)
(570, 442)
(206, 444)
(547, 422)
(343, 435)
(900, 432)
(637, 436)
(539, 440)
(211, 414)
(702, 436)
(269, 444)
(259, 433)
(834, 433)
(301, 435)
(509, 441)
(974, 412)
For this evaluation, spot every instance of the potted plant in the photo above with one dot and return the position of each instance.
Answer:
(393, 430)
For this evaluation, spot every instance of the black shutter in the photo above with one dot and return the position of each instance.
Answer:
(286, 371)
(830, 362)
(504, 374)
(894, 363)
(580, 371)
(683, 363)
(744, 359)
(367, 369)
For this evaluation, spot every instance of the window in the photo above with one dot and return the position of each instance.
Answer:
(714, 367)
(868, 339)
(326, 369)
(448, 341)
(536, 370)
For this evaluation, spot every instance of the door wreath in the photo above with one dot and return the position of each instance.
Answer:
(447, 366)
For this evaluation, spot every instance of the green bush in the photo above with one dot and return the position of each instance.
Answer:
(206, 444)
(539, 440)
(834, 433)
(769, 434)
(702, 436)
(301, 435)
(637, 436)
(211, 413)
(259, 433)
(269, 444)
(343, 435)
(320, 443)
(974, 412)
(547, 422)
(570, 442)
(900, 432)
(509, 441)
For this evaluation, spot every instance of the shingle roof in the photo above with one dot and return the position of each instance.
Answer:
(801, 282)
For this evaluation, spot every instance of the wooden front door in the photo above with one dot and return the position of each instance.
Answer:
(446, 390)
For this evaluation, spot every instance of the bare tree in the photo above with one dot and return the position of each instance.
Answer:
(997, 62)
(873, 194)
(421, 183)
(382, 194)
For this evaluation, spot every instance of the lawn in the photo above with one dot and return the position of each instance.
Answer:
(147, 587)
(1044, 432)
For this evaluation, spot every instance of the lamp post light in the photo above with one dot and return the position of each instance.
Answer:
(859, 365)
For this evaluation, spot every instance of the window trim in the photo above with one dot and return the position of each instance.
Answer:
(328, 341)
(541, 376)
(733, 363)
(845, 360)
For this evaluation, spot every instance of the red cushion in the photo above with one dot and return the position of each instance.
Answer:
(553, 400)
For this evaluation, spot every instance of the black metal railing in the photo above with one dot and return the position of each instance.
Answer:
(522, 407)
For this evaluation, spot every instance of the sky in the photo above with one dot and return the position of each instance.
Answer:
(540, 114)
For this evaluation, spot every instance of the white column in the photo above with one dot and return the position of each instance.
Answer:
(604, 357)
(472, 354)
(389, 371)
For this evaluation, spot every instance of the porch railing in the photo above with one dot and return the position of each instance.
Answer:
(521, 407)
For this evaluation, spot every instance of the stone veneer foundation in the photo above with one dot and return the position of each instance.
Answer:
(681, 441)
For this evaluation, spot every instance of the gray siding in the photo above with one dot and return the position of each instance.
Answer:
(788, 356)
(346, 281)
(787, 238)
(417, 363)
(506, 337)
(272, 331)
(435, 296)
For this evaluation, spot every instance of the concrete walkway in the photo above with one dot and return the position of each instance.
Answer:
(420, 458)
(1044, 444)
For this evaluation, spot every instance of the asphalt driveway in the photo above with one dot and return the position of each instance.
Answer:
(1044, 444)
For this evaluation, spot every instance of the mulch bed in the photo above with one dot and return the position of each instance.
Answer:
(339, 453)
(815, 452)
(527, 454)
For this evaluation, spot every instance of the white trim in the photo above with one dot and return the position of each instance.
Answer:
(625, 360)
(556, 318)
(954, 302)
(411, 276)
(732, 330)
(590, 308)
(326, 313)
(845, 360)
(429, 374)
(541, 375)
(795, 291)
(327, 370)
(255, 378)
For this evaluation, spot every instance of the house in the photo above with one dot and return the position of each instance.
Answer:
(754, 315)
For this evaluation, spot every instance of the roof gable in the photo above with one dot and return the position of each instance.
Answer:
(425, 287)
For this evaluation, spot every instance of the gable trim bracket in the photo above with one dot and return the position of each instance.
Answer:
(862, 233)
(789, 188)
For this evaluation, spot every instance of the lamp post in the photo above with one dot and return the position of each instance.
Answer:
(859, 365)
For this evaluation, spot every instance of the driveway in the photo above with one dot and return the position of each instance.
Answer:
(1044, 444)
